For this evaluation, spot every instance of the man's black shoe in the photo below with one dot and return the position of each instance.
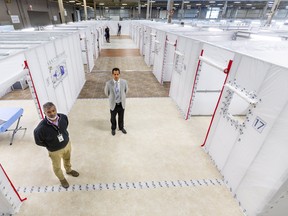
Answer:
(113, 132)
(124, 131)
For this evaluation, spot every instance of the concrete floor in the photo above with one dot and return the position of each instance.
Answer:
(157, 168)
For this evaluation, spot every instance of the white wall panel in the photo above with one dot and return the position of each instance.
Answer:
(169, 57)
(211, 79)
(57, 72)
(159, 54)
(183, 77)
(11, 71)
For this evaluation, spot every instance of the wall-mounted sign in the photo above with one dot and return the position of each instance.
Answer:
(57, 69)
(15, 19)
(55, 18)
(259, 124)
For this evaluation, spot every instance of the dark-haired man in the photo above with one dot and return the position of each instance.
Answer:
(52, 133)
(116, 89)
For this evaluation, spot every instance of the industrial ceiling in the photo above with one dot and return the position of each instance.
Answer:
(162, 4)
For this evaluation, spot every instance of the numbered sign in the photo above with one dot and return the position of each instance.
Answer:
(259, 124)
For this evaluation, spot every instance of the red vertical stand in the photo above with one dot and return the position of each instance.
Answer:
(33, 90)
(226, 71)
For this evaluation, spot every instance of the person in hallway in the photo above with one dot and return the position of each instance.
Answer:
(52, 133)
(119, 30)
(107, 34)
(116, 89)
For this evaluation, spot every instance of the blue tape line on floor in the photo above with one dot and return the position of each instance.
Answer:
(123, 186)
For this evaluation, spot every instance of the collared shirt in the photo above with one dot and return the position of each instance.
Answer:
(55, 122)
(118, 100)
(118, 83)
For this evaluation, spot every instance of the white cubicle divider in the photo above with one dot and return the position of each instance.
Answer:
(12, 70)
(251, 152)
(170, 44)
(56, 70)
(134, 32)
(209, 78)
(85, 38)
(159, 47)
(10, 200)
(150, 36)
(147, 51)
(87, 51)
(146, 35)
(141, 39)
(183, 75)
(198, 76)
(138, 35)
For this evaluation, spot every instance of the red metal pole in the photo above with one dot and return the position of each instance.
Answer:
(13, 185)
(34, 89)
(226, 71)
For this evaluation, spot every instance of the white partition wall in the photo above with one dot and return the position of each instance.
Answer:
(10, 200)
(183, 74)
(153, 36)
(168, 57)
(150, 36)
(251, 152)
(57, 72)
(100, 31)
(12, 70)
(146, 41)
(142, 40)
(87, 49)
(159, 46)
(199, 73)
(210, 79)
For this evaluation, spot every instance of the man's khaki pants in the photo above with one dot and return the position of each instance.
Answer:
(56, 157)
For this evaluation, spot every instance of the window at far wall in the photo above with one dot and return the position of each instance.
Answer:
(212, 13)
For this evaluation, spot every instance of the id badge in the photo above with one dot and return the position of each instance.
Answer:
(60, 138)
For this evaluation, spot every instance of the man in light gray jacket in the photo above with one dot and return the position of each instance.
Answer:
(116, 89)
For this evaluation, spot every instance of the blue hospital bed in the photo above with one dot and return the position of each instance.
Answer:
(9, 115)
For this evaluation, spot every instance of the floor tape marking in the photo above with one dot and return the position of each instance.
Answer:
(123, 186)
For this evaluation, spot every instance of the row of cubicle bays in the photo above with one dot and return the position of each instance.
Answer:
(15, 43)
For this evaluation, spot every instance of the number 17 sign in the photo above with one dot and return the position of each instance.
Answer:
(259, 124)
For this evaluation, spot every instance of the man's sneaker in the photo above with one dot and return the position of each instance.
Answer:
(73, 173)
(64, 183)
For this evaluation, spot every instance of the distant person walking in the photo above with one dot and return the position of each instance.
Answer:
(119, 30)
(107, 34)
(116, 89)
(52, 134)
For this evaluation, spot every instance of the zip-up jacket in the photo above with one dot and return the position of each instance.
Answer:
(46, 133)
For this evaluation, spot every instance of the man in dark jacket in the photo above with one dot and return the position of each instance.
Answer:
(52, 133)
(107, 34)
